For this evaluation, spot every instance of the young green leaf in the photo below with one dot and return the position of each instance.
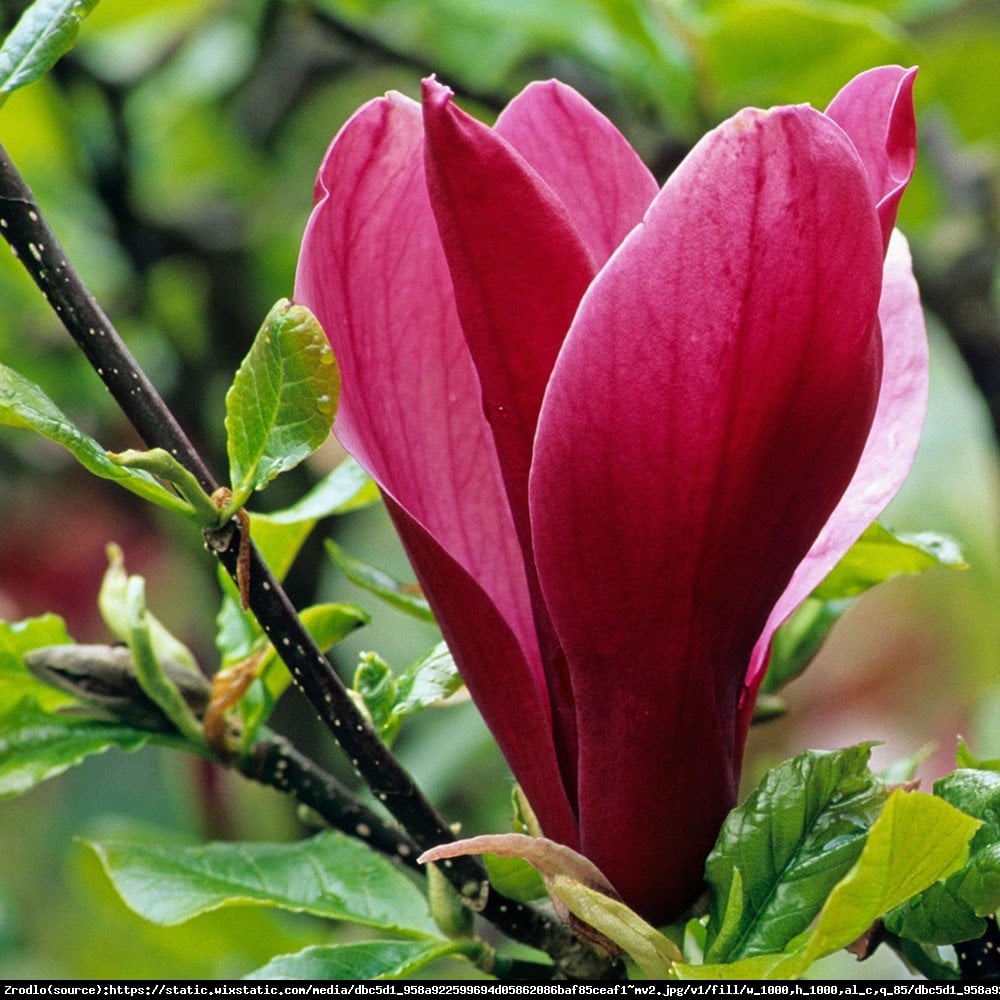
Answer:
(404, 597)
(359, 961)
(799, 639)
(880, 554)
(153, 678)
(36, 744)
(44, 32)
(329, 875)
(790, 842)
(390, 699)
(430, 680)
(653, 952)
(23, 404)
(281, 405)
(375, 685)
(113, 602)
(348, 487)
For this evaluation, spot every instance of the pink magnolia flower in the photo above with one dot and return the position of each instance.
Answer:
(622, 430)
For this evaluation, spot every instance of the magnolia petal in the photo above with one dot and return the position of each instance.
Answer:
(373, 271)
(705, 415)
(586, 161)
(519, 269)
(876, 111)
(889, 451)
(511, 702)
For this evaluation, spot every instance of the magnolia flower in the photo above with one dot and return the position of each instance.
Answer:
(622, 430)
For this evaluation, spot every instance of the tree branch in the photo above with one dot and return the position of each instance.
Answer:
(34, 243)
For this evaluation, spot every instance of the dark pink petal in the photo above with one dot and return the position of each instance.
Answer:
(889, 452)
(589, 164)
(494, 671)
(704, 417)
(372, 269)
(876, 111)
(519, 269)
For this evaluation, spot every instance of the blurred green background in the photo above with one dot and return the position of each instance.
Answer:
(174, 152)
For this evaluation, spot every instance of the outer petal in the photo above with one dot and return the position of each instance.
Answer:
(876, 111)
(589, 164)
(373, 271)
(706, 414)
(889, 452)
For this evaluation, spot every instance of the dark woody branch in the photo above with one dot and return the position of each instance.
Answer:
(34, 243)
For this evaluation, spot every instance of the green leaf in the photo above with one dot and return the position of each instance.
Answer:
(652, 951)
(964, 758)
(44, 32)
(879, 555)
(348, 487)
(161, 464)
(390, 699)
(329, 875)
(359, 962)
(36, 745)
(799, 639)
(791, 842)
(281, 405)
(953, 910)
(430, 680)
(16, 680)
(916, 840)
(23, 404)
(404, 597)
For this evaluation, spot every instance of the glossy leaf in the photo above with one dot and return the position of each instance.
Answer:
(916, 840)
(23, 404)
(359, 961)
(791, 841)
(953, 910)
(281, 405)
(36, 744)
(328, 875)
(45, 31)
(405, 597)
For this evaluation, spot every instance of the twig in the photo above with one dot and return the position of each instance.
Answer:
(34, 243)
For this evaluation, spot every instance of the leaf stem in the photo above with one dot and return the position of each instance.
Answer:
(36, 246)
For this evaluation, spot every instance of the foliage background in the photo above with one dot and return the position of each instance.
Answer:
(174, 151)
